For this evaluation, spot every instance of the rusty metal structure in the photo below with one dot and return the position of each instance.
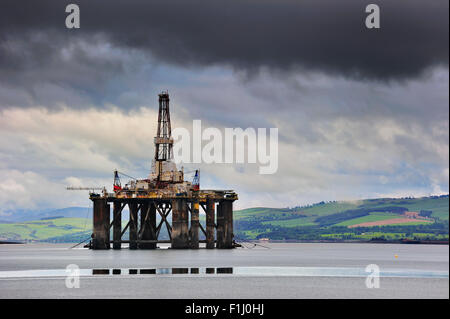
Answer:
(166, 196)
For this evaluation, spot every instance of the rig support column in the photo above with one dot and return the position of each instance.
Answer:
(210, 223)
(152, 224)
(193, 235)
(100, 238)
(145, 232)
(133, 225)
(227, 211)
(220, 226)
(148, 225)
(117, 225)
(180, 230)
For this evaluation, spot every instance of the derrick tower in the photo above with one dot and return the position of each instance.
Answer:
(163, 139)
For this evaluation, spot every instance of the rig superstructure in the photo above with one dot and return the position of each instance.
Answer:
(164, 193)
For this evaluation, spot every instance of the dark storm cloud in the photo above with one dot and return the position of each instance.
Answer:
(326, 35)
(354, 107)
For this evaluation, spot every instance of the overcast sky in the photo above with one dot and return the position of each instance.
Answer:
(361, 113)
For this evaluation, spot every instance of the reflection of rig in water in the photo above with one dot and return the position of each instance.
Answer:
(164, 192)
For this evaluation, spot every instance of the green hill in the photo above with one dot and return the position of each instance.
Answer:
(54, 229)
(439, 205)
(330, 220)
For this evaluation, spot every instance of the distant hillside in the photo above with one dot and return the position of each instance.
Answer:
(321, 221)
(28, 215)
(339, 220)
(71, 229)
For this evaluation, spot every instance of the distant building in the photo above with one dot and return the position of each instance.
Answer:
(411, 214)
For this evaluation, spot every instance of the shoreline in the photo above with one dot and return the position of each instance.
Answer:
(408, 242)
(10, 242)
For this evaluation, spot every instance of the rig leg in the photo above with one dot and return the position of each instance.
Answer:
(152, 224)
(117, 225)
(144, 232)
(220, 226)
(227, 211)
(180, 231)
(193, 233)
(101, 224)
(210, 223)
(133, 225)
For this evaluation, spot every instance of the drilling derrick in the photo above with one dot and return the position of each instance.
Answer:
(164, 171)
(163, 139)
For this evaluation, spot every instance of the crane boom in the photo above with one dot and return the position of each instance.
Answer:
(72, 188)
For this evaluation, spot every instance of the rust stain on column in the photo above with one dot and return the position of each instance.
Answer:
(117, 225)
(220, 226)
(210, 223)
(180, 230)
(193, 235)
(133, 225)
(227, 211)
(148, 225)
(144, 230)
(101, 224)
(152, 224)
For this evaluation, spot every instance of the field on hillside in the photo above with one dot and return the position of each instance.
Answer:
(372, 217)
(393, 222)
(73, 229)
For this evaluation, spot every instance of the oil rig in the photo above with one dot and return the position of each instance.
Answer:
(164, 193)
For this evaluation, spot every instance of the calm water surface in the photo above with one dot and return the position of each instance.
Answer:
(307, 270)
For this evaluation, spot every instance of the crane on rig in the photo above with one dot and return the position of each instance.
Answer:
(90, 189)
(75, 188)
(196, 181)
